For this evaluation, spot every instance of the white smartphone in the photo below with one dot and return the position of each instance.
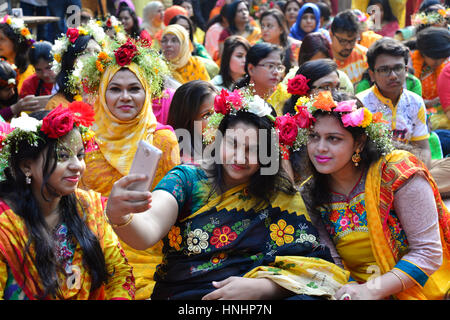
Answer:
(146, 162)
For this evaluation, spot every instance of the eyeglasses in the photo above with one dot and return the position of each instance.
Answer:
(344, 42)
(272, 67)
(385, 71)
(327, 87)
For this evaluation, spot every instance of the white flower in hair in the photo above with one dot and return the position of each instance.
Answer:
(259, 107)
(25, 122)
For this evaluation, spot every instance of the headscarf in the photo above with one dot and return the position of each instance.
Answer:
(150, 11)
(185, 52)
(296, 31)
(172, 12)
(117, 139)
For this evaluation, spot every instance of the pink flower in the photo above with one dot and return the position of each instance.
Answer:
(235, 98)
(353, 119)
(346, 106)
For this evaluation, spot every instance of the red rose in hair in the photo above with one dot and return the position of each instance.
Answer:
(221, 104)
(58, 122)
(304, 119)
(298, 85)
(125, 53)
(83, 113)
(287, 129)
(72, 34)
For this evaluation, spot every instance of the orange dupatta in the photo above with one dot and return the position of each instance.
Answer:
(383, 179)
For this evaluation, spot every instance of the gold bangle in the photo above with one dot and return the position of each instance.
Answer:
(400, 278)
(116, 226)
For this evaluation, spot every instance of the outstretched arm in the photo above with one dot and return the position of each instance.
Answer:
(153, 214)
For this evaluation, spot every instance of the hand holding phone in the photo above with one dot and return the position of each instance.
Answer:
(145, 162)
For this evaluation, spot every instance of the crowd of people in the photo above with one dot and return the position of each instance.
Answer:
(305, 151)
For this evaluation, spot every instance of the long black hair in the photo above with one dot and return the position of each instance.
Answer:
(260, 185)
(21, 47)
(230, 44)
(387, 10)
(20, 196)
(230, 15)
(136, 30)
(185, 106)
(68, 64)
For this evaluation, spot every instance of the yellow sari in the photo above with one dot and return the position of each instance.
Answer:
(111, 157)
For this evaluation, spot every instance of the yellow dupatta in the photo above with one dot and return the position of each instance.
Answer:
(118, 139)
(383, 178)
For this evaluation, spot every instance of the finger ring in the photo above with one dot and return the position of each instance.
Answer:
(346, 296)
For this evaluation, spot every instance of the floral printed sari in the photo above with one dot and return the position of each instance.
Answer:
(236, 234)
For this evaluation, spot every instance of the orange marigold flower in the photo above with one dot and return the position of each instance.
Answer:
(377, 117)
(103, 56)
(324, 101)
(99, 66)
(25, 32)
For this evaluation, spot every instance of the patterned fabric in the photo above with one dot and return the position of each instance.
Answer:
(118, 139)
(18, 283)
(194, 69)
(383, 179)
(143, 262)
(407, 118)
(427, 76)
(238, 235)
(345, 219)
(355, 65)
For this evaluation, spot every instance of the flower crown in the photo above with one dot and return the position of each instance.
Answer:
(56, 124)
(19, 28)
(227, 103)
(113, 23)
(293, 130)
(434, 17)
(88, 71)
(63, 43)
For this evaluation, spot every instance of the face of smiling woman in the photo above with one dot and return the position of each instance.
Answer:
(239, 153)
(125, 95)
(331, 147)
(69, 168)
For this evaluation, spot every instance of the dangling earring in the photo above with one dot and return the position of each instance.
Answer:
(28, 178)
(356, 158)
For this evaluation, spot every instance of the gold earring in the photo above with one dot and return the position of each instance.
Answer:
(356, 158)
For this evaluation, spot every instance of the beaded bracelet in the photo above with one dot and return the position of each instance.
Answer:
(116, 226)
